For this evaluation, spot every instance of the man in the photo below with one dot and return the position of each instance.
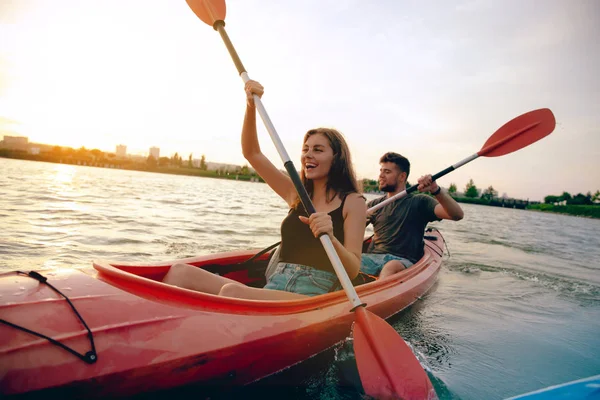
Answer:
(399, 226)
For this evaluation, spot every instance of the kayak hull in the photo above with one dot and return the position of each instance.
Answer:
(150, 336)
(582, 389)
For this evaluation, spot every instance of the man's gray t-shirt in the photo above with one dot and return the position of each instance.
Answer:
(399, 226)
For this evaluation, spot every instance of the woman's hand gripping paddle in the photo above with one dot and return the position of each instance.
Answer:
(387, 366)
(517, 133)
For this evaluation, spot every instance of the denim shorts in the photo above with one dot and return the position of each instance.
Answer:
(372, 263)
(302, 279)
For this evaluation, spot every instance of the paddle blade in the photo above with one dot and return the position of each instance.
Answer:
(208, 11)
(519, 132)
(387, 367)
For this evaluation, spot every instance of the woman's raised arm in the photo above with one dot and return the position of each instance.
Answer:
(276, 179)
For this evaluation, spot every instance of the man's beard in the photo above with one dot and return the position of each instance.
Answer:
(388, 188)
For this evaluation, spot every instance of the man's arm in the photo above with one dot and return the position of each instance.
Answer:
(447, 208)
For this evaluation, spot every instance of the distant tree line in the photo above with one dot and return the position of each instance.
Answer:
(587, 205)
(488, 195)
(471, 191)
(176, 161)
(578, 199)
(98, 158)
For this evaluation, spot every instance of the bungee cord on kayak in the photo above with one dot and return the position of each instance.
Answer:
(89, 357)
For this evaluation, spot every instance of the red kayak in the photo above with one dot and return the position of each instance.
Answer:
(145, 335)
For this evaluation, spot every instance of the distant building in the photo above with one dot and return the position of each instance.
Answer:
(34, 150)
(155, 152)
(15, 142)
(121, 151)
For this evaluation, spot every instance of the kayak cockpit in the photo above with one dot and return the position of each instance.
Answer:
(248, 267)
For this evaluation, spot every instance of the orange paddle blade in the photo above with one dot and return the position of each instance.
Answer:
(519, 132)
(388, 368)
(208, 11)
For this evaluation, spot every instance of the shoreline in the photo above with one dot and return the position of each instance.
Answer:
(146, 168)
(587, 211)
(559, 213)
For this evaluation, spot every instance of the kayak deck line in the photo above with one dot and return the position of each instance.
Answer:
(57, 300)
(83, 333)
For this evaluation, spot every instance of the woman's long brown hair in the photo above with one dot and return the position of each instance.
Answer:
(341, 180)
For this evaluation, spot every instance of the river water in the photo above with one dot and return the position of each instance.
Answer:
(516, 306)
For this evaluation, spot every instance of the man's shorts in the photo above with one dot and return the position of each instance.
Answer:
(372, 263)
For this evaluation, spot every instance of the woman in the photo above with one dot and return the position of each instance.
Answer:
(304, 268)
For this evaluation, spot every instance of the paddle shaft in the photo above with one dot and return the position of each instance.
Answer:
(413, 188)
(341, 273)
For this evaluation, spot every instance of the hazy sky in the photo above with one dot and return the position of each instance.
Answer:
(429, 79)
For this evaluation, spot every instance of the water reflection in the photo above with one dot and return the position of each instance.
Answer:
(63, 173)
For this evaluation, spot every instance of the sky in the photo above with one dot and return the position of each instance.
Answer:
(431, 80)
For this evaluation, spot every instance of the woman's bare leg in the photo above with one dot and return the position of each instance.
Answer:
(240, 291)
(194, 278)
(391, 268)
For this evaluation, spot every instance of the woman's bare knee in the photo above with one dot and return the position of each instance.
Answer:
(177, 274)
(233, 290)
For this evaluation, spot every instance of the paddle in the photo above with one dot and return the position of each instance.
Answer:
(514, 135)
(386, 364)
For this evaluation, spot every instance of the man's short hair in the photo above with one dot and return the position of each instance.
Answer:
(401, 161)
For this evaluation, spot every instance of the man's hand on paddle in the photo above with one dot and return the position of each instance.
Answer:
(427, 184)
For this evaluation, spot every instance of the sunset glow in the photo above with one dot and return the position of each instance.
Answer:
(431, 81)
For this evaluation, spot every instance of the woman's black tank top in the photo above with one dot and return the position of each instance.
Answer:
(300, 246)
